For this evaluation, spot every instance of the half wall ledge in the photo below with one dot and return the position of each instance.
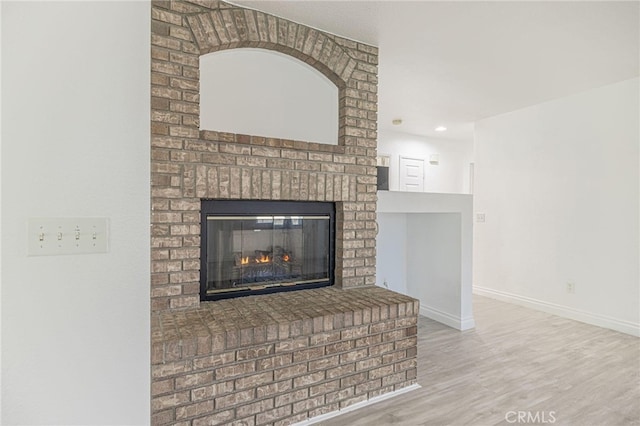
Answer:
(281, 358)
(432, 236)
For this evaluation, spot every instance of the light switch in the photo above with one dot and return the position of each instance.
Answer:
(65, 235)
(480, 217)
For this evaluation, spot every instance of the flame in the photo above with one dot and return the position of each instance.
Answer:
(265, 258)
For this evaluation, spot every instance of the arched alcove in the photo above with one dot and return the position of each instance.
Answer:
(264, 92)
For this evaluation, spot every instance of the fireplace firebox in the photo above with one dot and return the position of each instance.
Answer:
(255, 247)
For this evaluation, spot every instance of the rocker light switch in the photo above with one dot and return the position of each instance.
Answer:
(65, 235)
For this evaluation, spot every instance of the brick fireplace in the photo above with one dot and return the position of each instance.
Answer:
(275, 358)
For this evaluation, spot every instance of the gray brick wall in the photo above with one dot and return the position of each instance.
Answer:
(189, 164)
(287, 357)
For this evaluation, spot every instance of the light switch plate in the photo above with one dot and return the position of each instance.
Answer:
(67, 235)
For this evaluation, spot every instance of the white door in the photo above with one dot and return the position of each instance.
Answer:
(411, 174)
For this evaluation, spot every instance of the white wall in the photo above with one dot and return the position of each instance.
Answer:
(75, 143)
(450, 175)
(391, 258)
(266, 93)
(559, 184)
(434, 249)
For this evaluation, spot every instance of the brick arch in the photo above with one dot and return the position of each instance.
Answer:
(236, 28)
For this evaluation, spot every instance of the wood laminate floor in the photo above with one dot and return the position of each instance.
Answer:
(555, 370)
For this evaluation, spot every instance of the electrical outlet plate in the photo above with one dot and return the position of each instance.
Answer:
(59, 236)
(571, 287)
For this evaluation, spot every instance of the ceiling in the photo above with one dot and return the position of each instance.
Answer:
(451, 63)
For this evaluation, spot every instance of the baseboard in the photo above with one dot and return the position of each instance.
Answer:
(622, 326)
(357, 406)
(446, 318)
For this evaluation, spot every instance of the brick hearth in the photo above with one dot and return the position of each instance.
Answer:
(281, 358)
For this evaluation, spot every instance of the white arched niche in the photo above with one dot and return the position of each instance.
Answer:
(267, 93)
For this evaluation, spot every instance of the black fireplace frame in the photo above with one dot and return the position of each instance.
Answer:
(226, 207)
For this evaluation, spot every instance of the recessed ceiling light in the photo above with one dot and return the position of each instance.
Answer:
(440, 129)
(396, 121)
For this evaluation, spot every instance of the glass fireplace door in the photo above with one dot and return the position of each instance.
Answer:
(256, 252)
